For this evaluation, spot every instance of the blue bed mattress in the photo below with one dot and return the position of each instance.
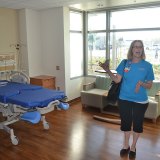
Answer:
(8, 89)
(36, 98)
(6, 92)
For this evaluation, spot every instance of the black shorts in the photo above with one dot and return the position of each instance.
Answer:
(132, 115)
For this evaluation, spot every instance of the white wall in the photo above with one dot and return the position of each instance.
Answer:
(34, 42)
(55, 33)
(73, 86)
(23, 41)
(53, 44)
(45, 39)
(8, 30)
(30, 40)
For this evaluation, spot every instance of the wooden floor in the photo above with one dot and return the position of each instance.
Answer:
(75, 135)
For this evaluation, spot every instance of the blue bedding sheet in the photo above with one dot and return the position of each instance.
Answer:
(18, 86)
(8, 89)
(36, 98)
(28, 95)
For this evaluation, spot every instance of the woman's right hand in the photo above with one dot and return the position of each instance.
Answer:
(105, 65)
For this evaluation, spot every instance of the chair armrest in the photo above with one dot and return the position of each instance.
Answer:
(157, 97)
(88, 86)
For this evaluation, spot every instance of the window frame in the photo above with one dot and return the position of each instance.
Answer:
(82, 32)
(109, 31)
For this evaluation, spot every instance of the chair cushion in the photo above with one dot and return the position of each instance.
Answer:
(96, 91)
(102, 82)
(155, 88)
(152, 100)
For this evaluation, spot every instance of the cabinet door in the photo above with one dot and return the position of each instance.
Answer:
(49, 83)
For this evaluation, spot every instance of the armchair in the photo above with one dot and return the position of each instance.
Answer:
(153, 110)
(94, 94)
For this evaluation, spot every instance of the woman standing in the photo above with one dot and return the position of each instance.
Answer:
(133, 100)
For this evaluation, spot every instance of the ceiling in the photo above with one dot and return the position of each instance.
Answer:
(79, 4)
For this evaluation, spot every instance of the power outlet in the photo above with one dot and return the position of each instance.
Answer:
(58, 88)
(57, 67)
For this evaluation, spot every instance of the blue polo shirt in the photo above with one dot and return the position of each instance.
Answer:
(132, 73)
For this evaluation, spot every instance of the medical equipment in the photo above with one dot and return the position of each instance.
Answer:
(19, 101)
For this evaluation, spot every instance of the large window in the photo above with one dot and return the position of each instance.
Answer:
(96, 40)
(122, 28)
(76, 44)
(135, 18)
(121, 42)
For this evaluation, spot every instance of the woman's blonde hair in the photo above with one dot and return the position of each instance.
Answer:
(130, 53)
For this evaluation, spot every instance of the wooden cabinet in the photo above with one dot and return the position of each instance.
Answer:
(44, 80)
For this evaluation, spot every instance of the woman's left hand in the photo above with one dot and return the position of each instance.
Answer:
(138, 85)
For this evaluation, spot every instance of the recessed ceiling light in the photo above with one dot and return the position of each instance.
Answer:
(99, 5)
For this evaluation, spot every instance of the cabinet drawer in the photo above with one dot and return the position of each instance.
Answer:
(36, 81)
(43, 80)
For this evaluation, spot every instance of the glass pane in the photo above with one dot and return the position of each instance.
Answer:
(76, 55)
(120, 42)
(139, 18)
(96, 51)
(97, 21)
(76, 21)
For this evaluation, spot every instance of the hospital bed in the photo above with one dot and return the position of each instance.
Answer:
(22, 101)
